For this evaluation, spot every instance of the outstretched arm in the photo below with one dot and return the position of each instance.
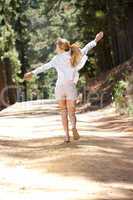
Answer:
(92, 44)
(44, 67)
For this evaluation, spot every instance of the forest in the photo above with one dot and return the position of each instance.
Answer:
(70, 141)
(29, 29)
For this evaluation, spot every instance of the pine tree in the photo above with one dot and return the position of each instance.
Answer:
(9, 62)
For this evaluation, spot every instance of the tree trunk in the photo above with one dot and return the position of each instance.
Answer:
(12, 88)
(3, 84)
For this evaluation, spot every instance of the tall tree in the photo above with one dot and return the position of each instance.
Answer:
(8, 56)
(22, 26)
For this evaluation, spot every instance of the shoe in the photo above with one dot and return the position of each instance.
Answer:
(76, 135)
(67, 140)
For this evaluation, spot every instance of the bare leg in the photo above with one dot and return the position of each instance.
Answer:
(71, 107)
(64, 117)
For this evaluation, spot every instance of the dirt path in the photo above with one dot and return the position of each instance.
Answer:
(35, 164)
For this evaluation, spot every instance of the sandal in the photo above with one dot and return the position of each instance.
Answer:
(76, 135)
(67, 140)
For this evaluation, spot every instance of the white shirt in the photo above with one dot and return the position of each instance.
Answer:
(61, 62)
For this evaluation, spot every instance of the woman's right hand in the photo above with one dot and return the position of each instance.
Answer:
(99, 36)
(28, 76)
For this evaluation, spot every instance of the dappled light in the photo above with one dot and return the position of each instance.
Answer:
(82, 169)
(66, 100)
(35, 160)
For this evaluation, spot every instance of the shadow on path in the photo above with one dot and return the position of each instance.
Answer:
(97, 158)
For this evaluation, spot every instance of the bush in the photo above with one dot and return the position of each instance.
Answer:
(123, 96)
(119, 96)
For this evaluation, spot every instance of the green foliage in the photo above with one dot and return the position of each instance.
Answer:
(130, 94)
(130, 109)
(29, 29)
(119, 97)
(7, 39)
(8, 50)
(49, 24)
(123, 92)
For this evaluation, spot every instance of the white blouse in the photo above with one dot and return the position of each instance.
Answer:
(61, 62)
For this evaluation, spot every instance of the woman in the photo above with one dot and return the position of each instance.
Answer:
(68, 61)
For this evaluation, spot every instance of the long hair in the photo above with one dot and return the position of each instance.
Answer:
(75, 51)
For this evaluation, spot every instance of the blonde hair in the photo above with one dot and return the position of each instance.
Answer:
(76, 54)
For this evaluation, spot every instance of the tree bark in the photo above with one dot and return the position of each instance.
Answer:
(12, 88)
(3, 83)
